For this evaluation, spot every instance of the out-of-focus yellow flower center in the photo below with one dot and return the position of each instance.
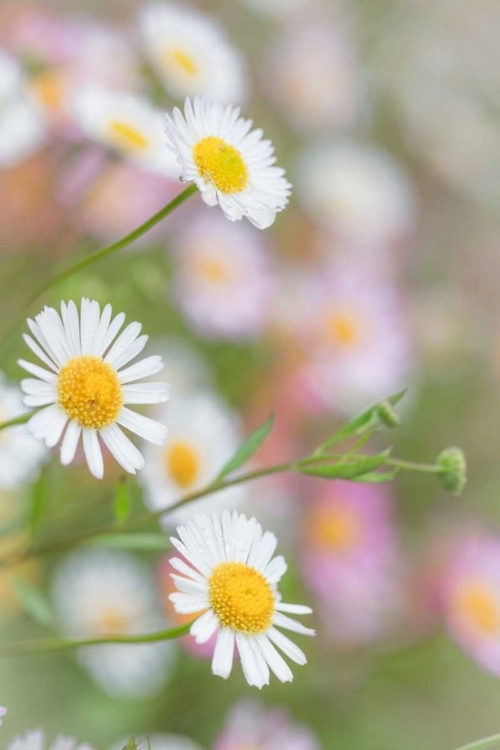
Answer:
(182, 60)
(113, 621)
(127, 137)
(211, 269)
(90, 392)
(479, 606)
(220, 164)
(343, 329)
(334, 528)
(183, 463)
(241, 598)
(48, 88)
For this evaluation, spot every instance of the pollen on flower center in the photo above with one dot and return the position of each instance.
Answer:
(182, 61)
(113, 621)
(126, 136)
(182, 462)
(89, 391)
(220, 164)
(479, 607)
(241, 598)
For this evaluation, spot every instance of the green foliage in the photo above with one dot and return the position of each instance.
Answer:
(248, 448)
(33, 601)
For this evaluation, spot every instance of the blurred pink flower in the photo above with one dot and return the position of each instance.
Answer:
(350, 560)
(223, 279)
(471, 598)
(251, 727)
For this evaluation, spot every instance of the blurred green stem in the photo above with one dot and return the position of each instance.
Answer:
(18, 420)
(480, 744)
(49, 645)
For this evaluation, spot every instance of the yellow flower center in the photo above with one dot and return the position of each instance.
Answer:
(334, 528)
(48, 87)
(211, 269)
(183, 463)
(181, 60)
(220, 164)
(343, 329)
(241, 598)
(127, 137)
(479, 606)
(113, 621)
(90, 392)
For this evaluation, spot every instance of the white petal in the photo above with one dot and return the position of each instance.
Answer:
(192, 556)
(39, 372)
(222, 661)
(35, 401)
(123, 450)
(182, 567)
(204, 627)
(36, 349)
(145, 393)
(70, 442)
(127, 337)
(146, 428)
(89, 322)
(188, 586)
(274, 659)
(187, 604)
(131, 351)
(56, 430)
(248, 661)
(109, 335)
(34, 387)
(44, 421)
(93, 452)
(294, 609)
(101, 331)
(283, 621)
(287, 646)
(276, 569)
(71, 324)
(142, 369)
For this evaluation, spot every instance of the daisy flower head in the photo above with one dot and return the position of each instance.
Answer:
(127, 124)
(190, 54)
(204, 433)
(229, 581)
(232, 165)
(112, 593)
(35, 740)
(470, 594)
(87, 383)
(223, 280)
(20, 454)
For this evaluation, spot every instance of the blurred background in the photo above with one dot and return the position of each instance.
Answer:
(382, 273)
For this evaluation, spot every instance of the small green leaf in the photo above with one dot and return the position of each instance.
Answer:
(131, 745)
(33, 601)
(123, 502)
(38, 500)
(247, 450)
(367, 420)
(131, 541)
(346, 470)
(377, 477)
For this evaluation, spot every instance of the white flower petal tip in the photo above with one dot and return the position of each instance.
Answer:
(89, 381)
(231, 164)
(230, 575)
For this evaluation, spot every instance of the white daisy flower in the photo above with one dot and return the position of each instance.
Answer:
(204, 433)
(103, 592)
(223, 293)
(190, 54)
(87, 383)
(3, 711)
(20, 454)
(231, 165)
(126, 124)
(229, 578)
(35, 740)
(22, 122)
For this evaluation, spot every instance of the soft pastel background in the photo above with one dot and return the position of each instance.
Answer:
(382, 273)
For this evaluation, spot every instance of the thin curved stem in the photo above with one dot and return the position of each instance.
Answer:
(480, 744)
(21, 419)
(50, 645)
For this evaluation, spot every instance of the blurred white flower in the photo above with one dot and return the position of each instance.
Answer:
(280, 8)
(99, 593)
(86, 386)
(204, 433)
(3, 711)
(229, 580)
(20, 454)
(231, 164)
(222, 281)
(127, 124)
(35, 740)
(185, 368)
(190, 54)
(22, 121)
(357, 191)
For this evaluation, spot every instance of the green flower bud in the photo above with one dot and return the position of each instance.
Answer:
(452, 469)
(387, 414)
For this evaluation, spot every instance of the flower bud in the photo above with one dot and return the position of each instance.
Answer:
(452, 469)
(387, 414)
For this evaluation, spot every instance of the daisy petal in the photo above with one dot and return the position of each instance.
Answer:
(222, 661)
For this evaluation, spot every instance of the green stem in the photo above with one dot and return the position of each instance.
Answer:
(50, 645)
(413, 466)
(480, 744)
(21, 419)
